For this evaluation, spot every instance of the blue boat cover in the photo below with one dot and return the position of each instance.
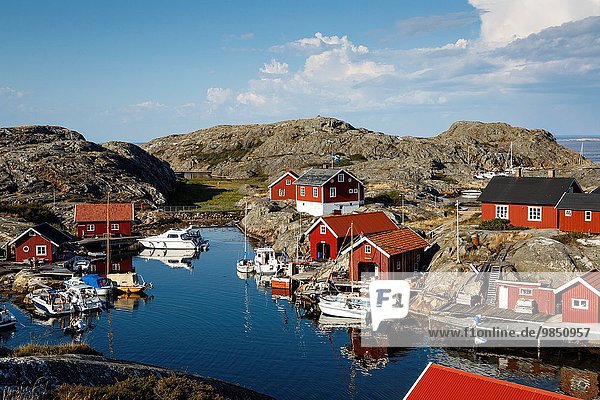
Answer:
(94, 280)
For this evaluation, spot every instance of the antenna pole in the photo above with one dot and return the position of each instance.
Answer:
(457, 236)
(108, 232)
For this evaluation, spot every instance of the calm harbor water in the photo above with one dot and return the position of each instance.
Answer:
(211, 322)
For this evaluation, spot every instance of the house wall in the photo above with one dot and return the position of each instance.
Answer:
(100, 229)
(290, 190)
(343, 190)
(577, 223)
(579, 291)
(316, 237)
(377, 257)
(308, 193)
(518, 214)
(32, 242)
(118, 265)
(544, 297)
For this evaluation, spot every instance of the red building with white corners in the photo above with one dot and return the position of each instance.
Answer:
(283, 187)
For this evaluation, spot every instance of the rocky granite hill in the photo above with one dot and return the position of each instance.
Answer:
(37, 160)
(238, 151)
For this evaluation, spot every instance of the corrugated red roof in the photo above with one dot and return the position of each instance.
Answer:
(445, 383)
(97, 212)
(364, 223)
(398, 241)
(593, 278)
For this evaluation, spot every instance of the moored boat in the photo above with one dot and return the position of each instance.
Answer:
(344, 305)
(265, 261)
(103, 285)
(245, 265)
(50, 302)
(7, 319)
(177, 239)
(130, 282)
(84, 298)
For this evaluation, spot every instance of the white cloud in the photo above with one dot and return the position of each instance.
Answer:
(148, 105)
(217, 96)
(241, 36)
(275, 68)
(503, 21)
(249, 98)
(11, 93)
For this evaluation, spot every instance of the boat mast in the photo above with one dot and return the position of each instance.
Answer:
(581, 154)
(108, 233)
(511, 156)
(457, 237)
(351, 251)
(245, 231)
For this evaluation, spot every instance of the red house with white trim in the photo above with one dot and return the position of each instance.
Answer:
(40, 242)
(444, 383)
(325, 191)
(283, 187)
(329, 235)
(579, 212)
(508, 293)
(580, 298)
(399, 250)
(526, 201)
(91, 219)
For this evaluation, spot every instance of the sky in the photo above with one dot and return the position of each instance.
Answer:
(135, 70)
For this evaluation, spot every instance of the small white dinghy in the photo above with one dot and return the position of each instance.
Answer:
(344, 305)
(7, 319)
(245, 265)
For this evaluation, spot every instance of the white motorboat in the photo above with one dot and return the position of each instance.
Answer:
(344, 305)
(245, 265)
(7, 319)
(52, 303)
(177, 239)
(84, 298)
(130, 282)
(265, 261)
(103, 285)
(172, 258)
(471, 194)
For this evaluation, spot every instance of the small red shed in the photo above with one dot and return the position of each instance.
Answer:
(509, 292)
(283, 187)
(91, 219)
(445, 383)
(580, 298)
(329, 235)
(399, 250)
(579, 212)
(40, 242)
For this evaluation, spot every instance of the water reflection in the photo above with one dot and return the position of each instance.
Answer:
(171, 258)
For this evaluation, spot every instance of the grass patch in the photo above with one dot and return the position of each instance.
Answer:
(148, 388)
(444, 178)
(210, 193)
(569, 238)
(32, 212)
(52, 350)
(235, 154)
(390, 197)
(499, 224)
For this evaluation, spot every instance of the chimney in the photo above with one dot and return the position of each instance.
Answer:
(518, 172)
(551, 173)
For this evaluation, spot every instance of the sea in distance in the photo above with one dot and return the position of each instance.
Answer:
(201, 317)
(591, 145)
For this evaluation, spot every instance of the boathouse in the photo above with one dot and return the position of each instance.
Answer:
(580, 298)
(525, 297)
(91, 219)
(40, 242)
(283, 187)
(526, 201)
(579, 212)
(399, 250)
(325, 191)
(445, 383)
(329, 235)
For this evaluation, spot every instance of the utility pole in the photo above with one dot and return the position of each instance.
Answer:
(402, 199)
(457, 237)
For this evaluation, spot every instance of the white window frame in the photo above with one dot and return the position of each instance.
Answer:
(281, 192)
(39, 247)
(302, 191)
(341, 178)
(525, 292)
(90, 227)
(114, 227)
(368, 249)
(532, 213)
(499, 211)
(582, 304)
(588, 216)
(288, 182)
(25, 249)
(332, 192)
(323, 230)
(315, 192)
(568, 213)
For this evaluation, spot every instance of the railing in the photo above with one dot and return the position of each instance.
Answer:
(174, 209)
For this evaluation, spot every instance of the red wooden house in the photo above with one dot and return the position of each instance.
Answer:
(40, 242)
(325, 191)
(329, 235)
(579, 212)
(445, 383)
(580, 298)
(91, 219)
(283, 187)
(509, 292)
(399, 250)
(525, 201)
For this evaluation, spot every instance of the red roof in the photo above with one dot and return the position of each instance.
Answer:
(398, 241)
(362, 223)
(97, 212)
(444, 383)
(593, 278)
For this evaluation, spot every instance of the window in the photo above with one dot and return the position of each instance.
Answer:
(288, 182)
(525, 292)
(40, 250)
(367, 249)
(568, 213)
(32, 233)
(114, 227)
(351, 191)
(323, 229)
(315, 192)
(502, 212)
(341, 178)
(115, 267)
(302, 191)
(332, 192)
(588, 215)
(91, 228)
(579, 304)
(25, 249)
(534, 213)
(281, 192)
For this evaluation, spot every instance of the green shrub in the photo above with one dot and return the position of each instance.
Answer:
(444, 178)
(391, 197)
(358, 157)
(51, 350)
(499, 224)
(569, 238)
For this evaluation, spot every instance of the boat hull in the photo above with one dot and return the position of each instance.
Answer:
(169, 245)
(341, 309)
(281, 283)
(47, 310)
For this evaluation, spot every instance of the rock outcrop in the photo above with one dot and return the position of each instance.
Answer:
(37, 162)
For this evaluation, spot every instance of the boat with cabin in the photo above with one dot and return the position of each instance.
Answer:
(130, 282)
(265, 261)
(344, 305)
(245, 265)
(7, 319)
(51, 302)
(102, 284)
(177, 239)
(84, 298)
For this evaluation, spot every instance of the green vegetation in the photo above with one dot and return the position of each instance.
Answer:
(444, 178)
(146, 388)
(235, 154)
(210, 193)
(52, 350)
(358, 157)
(391, 197)
(499, 224)
(569, 238)
(32, 212)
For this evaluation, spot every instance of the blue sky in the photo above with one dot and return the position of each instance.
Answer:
(134, 70)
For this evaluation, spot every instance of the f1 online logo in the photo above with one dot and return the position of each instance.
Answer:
(388, 300)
